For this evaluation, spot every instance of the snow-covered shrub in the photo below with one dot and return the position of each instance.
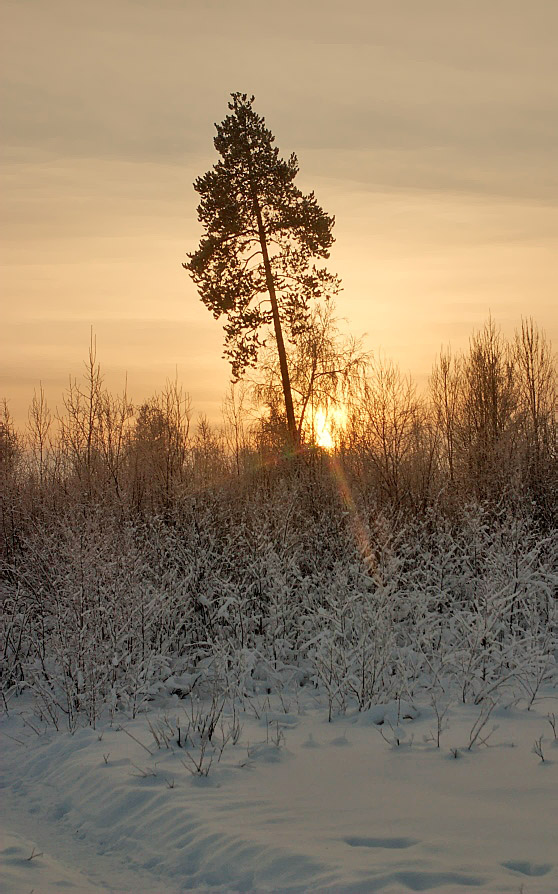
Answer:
(272, 583)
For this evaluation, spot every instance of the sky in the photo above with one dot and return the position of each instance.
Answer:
(429, 129)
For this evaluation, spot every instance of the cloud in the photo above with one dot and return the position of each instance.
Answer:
(466, 91)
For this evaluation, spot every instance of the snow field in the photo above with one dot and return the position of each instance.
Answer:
(296, 804)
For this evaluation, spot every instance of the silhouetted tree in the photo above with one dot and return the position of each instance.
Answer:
(9, 445)
(255, 262)
(325, 367)
(445, 390)
(537, 380)
(488, 431)
(158, 446)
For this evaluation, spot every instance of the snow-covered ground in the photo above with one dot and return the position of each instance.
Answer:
(294, 804)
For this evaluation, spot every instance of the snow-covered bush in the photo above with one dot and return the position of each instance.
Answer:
(275, 582)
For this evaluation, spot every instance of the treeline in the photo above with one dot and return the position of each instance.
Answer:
(485, 430)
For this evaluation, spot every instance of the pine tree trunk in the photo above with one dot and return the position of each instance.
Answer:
(285, 379)
(291, 421)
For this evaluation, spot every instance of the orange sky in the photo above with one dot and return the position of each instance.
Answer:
(429, 129)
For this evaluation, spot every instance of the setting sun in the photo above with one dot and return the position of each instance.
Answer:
(326, 423)
(322, 430)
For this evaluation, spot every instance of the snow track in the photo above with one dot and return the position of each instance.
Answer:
(105, 813)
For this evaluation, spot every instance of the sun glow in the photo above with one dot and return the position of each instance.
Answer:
(326, 425)
(322, 430)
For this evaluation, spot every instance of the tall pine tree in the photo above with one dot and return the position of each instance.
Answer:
(255, 263)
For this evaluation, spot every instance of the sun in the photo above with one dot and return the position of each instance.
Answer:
(322, 430)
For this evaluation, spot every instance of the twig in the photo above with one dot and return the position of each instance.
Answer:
(538, 749)
(121, 729)
(479, 725)
(13, 738)
(144, 774)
